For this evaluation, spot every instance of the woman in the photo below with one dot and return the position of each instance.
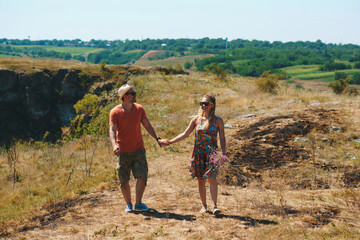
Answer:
(207, 126)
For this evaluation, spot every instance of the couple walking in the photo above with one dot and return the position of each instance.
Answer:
(126, 139)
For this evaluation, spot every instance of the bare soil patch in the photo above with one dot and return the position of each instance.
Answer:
(153, 54)
(314, 85)
(264, 144)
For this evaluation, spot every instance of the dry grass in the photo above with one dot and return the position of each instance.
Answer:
(29, 64)
(46, 204)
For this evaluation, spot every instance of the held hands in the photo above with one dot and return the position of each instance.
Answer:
(164, 142)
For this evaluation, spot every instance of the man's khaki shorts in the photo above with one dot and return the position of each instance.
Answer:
(132, 161)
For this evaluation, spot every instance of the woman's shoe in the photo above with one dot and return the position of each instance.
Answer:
(203, 210)
(216, 211)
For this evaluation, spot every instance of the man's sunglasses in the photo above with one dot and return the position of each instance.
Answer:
(205, 103)
(132, 93)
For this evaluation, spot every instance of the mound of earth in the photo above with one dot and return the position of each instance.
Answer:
(267, 146)
(153, 54)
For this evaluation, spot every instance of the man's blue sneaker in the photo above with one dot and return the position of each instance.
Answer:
(129, 208)
(141, 207)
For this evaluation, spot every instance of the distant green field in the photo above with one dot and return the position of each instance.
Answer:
(329, 79)
(300, 69)
(238, 62)
(310, 72)
(314, 75)
(7, 56)
(172, 61)
(133, 51)
(72, 50)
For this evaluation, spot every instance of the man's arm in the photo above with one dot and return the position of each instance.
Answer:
(112, 135)
(149, 128)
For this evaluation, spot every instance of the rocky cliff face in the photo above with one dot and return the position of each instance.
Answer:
(32, 104)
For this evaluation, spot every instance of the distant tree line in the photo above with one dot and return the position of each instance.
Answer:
(245, 57)
(253, 58)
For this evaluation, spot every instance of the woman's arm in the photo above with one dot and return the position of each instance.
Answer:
(186, 133)
(220, 126)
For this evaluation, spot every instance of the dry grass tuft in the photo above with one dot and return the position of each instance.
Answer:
(32, 65)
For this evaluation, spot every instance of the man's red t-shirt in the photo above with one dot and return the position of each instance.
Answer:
(128, 135)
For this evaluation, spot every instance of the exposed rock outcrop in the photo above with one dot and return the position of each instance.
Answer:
(42, 101)
(32, 104)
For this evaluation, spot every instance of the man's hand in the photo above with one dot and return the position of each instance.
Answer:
(117, 151)
(164, 142)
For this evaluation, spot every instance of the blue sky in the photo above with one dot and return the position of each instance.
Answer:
(331, 21)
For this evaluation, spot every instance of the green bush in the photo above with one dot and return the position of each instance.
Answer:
(79, 58)
(340, 75)
(88, 105)
(91, 124)
(188, 65)
(299, 87)
(355, 79)
(340, 86)
(217, 70)
(268, 82)
(357, 65)
(331, 66)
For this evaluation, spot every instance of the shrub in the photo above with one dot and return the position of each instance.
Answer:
(84, 78)
(105, 72)
(355, 79)
(95, 123)
(188, 65)
(299, 87)
(178, 68)
(79, 58)
(282, 75)
(340, 86)
(357, 65)
(88, 105)
(331, 66)
(217, 70)
(352, 91)
(268, 83)
(340, 75)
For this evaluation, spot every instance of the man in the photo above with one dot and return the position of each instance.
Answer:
(128, 145)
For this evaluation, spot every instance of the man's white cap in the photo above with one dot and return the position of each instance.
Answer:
(124, 89)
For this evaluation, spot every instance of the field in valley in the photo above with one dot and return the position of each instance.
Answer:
(172, 61)
(312, 72)
(72, 50)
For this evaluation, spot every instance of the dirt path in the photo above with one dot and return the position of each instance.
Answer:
(175, 212)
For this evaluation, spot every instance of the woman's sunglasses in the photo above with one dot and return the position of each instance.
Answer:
(132, 93)
(205, 103)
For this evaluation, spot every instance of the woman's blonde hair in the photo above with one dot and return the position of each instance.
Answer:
(211, 118)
